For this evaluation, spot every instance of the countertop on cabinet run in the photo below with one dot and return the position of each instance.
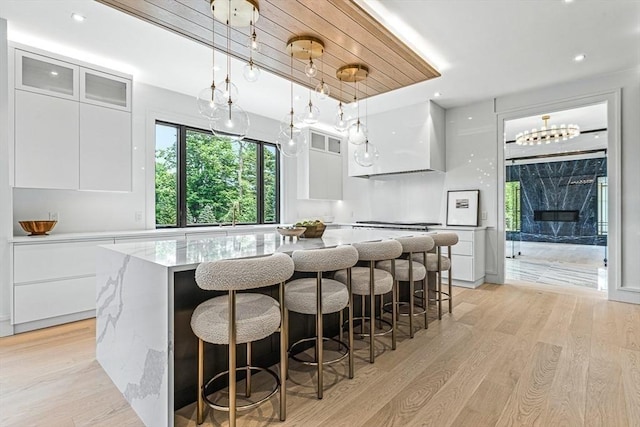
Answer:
(456, 227)
(187, 254)
(169, 233)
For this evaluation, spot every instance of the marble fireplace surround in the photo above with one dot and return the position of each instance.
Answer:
(559, 186)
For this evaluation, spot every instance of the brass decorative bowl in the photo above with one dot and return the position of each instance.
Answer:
(291, 232)
(37, 228)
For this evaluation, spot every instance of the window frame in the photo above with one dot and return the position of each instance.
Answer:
(181, 178)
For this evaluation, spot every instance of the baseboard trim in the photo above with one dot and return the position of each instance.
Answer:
(53, 321)
(465, 284)
(6, 328)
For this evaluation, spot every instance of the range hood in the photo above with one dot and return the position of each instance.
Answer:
(410, 139)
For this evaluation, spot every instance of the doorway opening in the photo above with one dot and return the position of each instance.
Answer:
(556, 198)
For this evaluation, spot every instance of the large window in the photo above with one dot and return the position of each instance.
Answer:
(202, 179)
(512, 213)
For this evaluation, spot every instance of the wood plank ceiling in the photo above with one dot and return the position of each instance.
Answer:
(350, 35)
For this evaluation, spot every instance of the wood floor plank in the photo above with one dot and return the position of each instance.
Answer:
(630, 363)
(509, 355)
(525, 405)
(606, 404)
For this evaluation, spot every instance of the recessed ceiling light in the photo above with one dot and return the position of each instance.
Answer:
(297, 97)
(77, 17)
(437, 94)
(596, 136)
(470, 118)
(568, 1)
(54, 73)
(580, 57)
(216, 68)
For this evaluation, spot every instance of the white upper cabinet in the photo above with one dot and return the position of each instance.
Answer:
(105, 89)
(105, 149)
(320, 167)
(41, 74)
(408, 139)
(72, 125)
(46, 141)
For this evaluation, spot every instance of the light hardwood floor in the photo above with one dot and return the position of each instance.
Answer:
(509, 355)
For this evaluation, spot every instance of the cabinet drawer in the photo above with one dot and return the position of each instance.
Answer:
(32, 263)
(462, 248)
(466, 236)
(462, 267)
(50, 299)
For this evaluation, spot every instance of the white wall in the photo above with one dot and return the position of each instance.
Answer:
(406, 197)
(5, 190)
(479, 137)
(471, 137)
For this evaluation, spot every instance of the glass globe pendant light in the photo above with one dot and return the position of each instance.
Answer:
(353, 73)
(341, 123)
(251, 72)
(366, 154)
(206, 99)
(229, 120)
(291, 141)
(311, 112)
(322, 89)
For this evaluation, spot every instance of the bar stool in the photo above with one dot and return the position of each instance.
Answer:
(373, 281)
(318, 296)
(240, 318)
(438, 263)
(408, 270)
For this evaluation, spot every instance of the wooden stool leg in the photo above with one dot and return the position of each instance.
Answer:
(200, 411)
(439, 283)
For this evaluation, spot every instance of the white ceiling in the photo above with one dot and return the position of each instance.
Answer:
(483, 48)
(588, 118)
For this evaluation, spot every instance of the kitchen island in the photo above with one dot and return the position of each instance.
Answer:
(145, 295)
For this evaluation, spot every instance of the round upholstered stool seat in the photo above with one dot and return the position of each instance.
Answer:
(432, 262)
(257, 317)
(402, 269)
(300, 296)
(382, 280)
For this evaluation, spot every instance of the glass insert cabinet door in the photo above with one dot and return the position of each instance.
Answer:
(41, 74)
(105, 89)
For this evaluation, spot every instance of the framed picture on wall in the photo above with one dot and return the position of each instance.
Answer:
(463, 207)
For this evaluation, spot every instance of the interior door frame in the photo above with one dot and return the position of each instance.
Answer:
(614, 238)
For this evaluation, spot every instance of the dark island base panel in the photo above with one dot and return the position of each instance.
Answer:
(266, 352)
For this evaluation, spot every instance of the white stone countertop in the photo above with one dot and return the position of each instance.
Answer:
(181, 233)
(180, 255)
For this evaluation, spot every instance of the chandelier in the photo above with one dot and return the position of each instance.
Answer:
(547, 134)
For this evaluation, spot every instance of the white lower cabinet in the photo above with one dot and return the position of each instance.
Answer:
(37, 301)
(53, 280)
(467, 258)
